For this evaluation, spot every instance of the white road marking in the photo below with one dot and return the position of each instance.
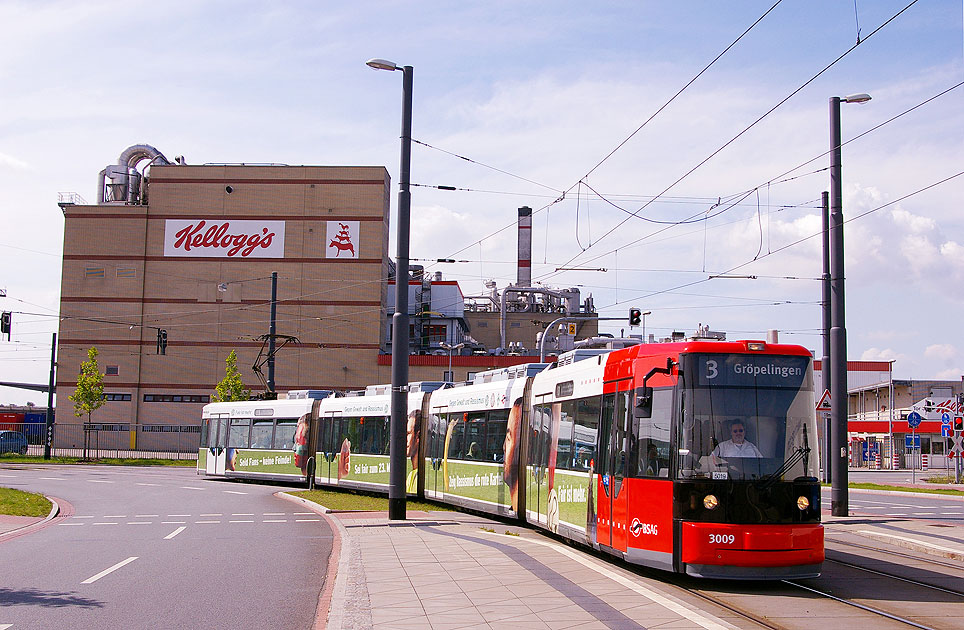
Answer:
(708, 622)
(304, 513)
(205, 522)
(9, 477)
(191, 488)
(5, 626)
(83, 517)
(245, 514)
(52, 478)
(71, 524)
(307, 520)
(139, 523)
(99, 481)
(234, 492)
(106, 523)
(172, 522)
(110, 570)
(212, 514)
(178, 515)
(115, 516)
(275, 521)
(240, 521)
(149, 484)
(175, 533)
(145, 516)
(274, 514)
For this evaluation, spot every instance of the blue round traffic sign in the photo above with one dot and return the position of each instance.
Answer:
(914, 419)
(945, 418)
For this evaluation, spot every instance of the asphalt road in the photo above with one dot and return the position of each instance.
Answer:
(162, 548)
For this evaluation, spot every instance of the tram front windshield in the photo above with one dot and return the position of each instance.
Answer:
(747, 417)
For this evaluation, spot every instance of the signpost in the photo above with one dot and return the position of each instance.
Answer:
(823, 412)
(913, 421)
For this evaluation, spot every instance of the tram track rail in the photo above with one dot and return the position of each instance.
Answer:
(891, 552)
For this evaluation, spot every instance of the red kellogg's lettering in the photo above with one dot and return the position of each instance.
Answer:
(217, 236)
(183, 236)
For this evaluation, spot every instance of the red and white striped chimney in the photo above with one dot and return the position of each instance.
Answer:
(524, 278)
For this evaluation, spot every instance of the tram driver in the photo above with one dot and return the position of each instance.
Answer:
(737, 445)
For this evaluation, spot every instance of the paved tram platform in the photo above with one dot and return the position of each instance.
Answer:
(446, 570)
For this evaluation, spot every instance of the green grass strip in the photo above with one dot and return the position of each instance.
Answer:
(335, 500)
(20, 503)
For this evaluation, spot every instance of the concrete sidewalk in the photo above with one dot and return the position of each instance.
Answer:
(446, 570)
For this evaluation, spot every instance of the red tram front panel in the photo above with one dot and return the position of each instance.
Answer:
(752, 545)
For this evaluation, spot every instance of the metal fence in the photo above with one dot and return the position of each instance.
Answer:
(94, 440)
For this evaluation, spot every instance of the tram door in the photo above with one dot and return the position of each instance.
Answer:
(538, 471)
(435, 430)
(611, 527)
(324, 466)
(217, 437)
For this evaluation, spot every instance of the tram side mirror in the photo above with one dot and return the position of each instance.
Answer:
(644, 403)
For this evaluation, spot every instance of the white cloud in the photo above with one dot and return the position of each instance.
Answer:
(8, 161)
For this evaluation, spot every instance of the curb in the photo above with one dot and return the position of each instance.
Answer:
(26, 529)
(336, 575)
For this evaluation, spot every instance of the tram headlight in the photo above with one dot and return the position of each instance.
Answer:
(710, 502)
(803, 503)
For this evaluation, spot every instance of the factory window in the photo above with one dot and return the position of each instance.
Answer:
(111, 370)
(117, 397)
(176, 398)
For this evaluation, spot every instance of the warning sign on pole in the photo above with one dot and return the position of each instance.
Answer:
(824, 404)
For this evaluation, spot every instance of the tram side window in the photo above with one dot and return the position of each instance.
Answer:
(240, 427)
(540, 423)
(456, 436)
(652, 436)
(436, 428)
(284, 436)
(205, 427)
(369, 435)
(567, 414)
(495, 435)
(585, 433)
(261, 432)
(474, 436)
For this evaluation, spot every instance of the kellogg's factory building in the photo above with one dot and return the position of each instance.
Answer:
(172, 269)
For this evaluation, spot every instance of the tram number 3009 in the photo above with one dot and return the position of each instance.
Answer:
(722, 539)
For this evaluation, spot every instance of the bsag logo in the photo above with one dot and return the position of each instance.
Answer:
(638, 528)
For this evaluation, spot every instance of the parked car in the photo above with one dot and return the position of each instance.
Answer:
(13, 442)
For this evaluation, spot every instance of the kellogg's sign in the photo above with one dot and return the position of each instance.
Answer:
(224, 238)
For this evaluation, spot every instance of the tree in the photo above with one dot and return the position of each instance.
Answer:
(89, 395)
(231, 387)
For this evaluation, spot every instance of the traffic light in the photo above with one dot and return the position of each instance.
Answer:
(635, 316)
(6, 322)
(959, 423)
(161, 341)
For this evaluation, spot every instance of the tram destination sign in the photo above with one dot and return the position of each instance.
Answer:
(744, 370)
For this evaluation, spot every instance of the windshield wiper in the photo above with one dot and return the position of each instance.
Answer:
(800, 453)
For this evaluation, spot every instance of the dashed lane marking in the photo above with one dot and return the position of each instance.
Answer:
(149, 484)
(99, 481)
(113, 523)
(244, 514)
(175, 533)
(172, 522)
(206, 522)
(234, 492)
(109, 570)
(275, 521)
(140, 522)
(52, 478)
(191, 488)
(240, 521)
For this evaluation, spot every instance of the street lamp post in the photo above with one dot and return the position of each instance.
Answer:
(838, 331)
(450, 348)
(399, 408)
(643, 317)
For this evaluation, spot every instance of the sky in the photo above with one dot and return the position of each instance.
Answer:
(642, 169)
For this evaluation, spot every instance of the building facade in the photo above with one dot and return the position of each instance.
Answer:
(172, 270)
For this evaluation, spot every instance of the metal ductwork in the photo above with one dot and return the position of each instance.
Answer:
(121, 182)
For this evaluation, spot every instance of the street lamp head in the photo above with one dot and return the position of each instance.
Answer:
(647, 313)
(856, 98)
(382, 64)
